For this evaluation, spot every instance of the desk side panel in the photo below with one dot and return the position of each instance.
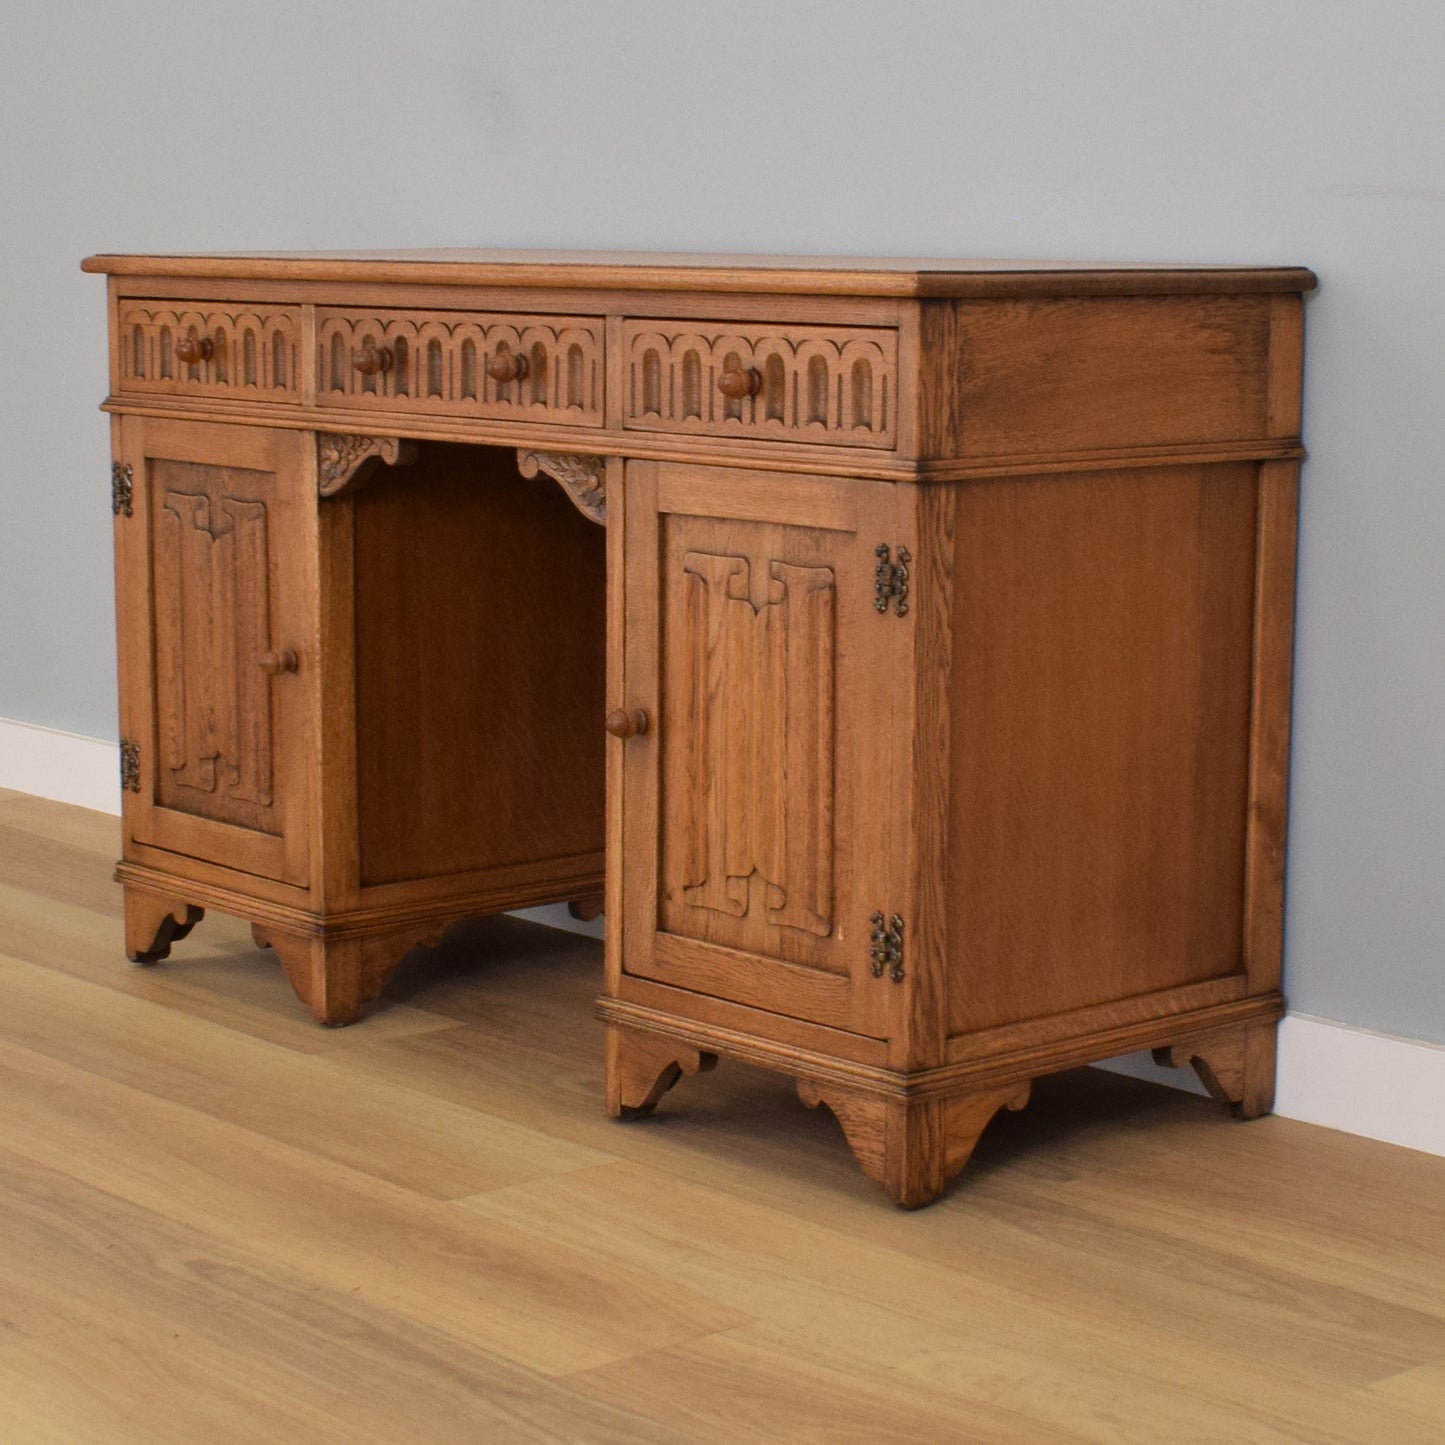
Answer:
(1100, 737)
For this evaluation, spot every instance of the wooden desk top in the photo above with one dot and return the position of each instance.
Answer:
(663, 271)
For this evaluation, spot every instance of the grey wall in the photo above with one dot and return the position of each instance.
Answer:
(1240, 130)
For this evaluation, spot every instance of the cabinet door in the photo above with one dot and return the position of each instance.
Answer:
(759, 804)
(216, 628)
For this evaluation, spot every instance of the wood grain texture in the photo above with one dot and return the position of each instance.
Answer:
(1068, 375)
(922, 823)
(771, 275)
(1271, 672)
(231, 560)
(154, 922)
(912, 1147)
(252, 353)
(212, 576)
(946, 623)
(1100, 725)
(219, 1222)
(478, 723)
(1235, 1065)
(641, 1068)
(768, 677)
(442, 362)
(817, 384)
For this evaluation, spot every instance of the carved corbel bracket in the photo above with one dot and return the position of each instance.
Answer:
(582, 478)
(339, 457)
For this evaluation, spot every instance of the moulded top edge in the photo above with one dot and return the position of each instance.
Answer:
(660, 271)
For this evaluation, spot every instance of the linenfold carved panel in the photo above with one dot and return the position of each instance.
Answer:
(827, 384)
(757, 739)
(241, 353)
(462, 364)
(212, 626)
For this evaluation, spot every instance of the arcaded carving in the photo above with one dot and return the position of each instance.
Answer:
(339, 457)
(583, 478)
(462, 364)
(250, 354)
(826, 384)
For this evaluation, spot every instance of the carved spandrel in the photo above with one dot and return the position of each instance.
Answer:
(339, 456)
(583, 478)
(758, 739)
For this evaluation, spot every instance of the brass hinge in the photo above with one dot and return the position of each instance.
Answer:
(121, 488)
(887, 949)
(890, 579)
(129, 766)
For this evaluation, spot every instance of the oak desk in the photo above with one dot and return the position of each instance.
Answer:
(940, 620)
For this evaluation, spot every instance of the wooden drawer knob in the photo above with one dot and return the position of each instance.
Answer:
(626, 722)
(740, 381)
(275, 663)
(370, 360)
(195, 349)
(507, 366)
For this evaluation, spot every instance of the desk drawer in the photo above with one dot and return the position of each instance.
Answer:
(242, 352)
(462, 363)
(830, 384)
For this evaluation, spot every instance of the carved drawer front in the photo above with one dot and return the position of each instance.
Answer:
(829, 384)
(209, 349)
(460, 363)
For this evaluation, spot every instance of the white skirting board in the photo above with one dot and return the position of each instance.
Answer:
(63, 767)
(1375, 1085)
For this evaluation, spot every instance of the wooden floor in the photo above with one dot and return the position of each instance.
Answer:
(219, 1222)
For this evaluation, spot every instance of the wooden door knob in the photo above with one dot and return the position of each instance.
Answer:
(506, 366)
(626, 722)
(275, 663)
(370, 360)
(740, 381)
(195, 349)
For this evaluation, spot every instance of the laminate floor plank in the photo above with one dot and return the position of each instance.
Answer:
(952, 1333)
(1419, 1392)
(45, 867)
(737, 1388)
(80, 828)
(377, 1127)
(546, 1307)
(1342, 1234)
(219, 1222)
(765, 1382)
(170, 1335)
